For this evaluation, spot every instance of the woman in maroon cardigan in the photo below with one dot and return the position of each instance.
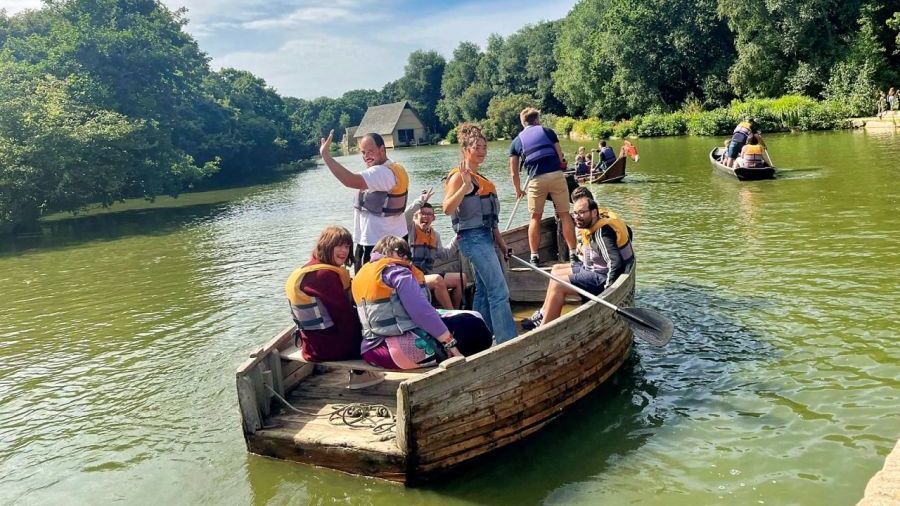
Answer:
(328, 326)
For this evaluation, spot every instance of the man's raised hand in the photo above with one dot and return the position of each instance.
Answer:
(325, 144)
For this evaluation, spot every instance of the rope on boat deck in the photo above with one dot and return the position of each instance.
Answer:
(356, 415)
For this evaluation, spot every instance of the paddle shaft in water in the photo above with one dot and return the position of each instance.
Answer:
(654, 327)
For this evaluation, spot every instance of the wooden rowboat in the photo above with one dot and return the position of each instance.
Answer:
(442, 416)
(615, 173)
(741, 173)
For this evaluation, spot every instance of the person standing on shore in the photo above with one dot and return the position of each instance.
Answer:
(381, 200)
(538, 148)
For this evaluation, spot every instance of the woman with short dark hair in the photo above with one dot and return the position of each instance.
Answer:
(319, 295)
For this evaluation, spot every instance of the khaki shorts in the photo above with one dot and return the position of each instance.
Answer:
(552, 184)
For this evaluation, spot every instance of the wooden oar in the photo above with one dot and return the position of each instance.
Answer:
(646, 324)
(516, 207)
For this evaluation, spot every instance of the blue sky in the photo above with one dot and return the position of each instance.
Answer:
(315, 48)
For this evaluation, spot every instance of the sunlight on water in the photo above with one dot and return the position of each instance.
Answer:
(120, 334)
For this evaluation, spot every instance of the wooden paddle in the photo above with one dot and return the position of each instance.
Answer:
(646, 324)
(516, 207)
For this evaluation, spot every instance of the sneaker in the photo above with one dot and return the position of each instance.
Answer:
(535, 260)
(534, 321)
(364, 380)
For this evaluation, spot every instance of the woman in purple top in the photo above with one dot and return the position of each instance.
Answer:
(434, 336)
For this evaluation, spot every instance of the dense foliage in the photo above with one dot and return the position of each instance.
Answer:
(102, 100)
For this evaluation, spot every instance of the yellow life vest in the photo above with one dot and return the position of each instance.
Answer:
(593, 259)
(423, 247)
(389, 203)
(380, 310)
(309, 313)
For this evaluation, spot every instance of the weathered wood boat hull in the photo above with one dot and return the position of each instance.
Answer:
(454, 413)
(615, 173)
(741, 173)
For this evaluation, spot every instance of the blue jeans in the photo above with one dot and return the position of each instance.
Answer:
(491, 292)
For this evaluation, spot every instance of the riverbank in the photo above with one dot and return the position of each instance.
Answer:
(884, 488)
(790, 113)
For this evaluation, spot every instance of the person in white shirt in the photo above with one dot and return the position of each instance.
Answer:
(381, 200)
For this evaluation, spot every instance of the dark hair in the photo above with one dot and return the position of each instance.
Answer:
(603, 144)
(468, 135)
(426, 205)
(330, 238)
(581, 192)
(390, 243)
(753, 141)
(376, 138)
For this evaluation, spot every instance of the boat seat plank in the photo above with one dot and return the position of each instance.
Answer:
(293, 354)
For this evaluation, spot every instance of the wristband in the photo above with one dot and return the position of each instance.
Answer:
(450, 344)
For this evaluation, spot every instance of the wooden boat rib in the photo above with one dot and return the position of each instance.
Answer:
(741, 173)
(446, 415)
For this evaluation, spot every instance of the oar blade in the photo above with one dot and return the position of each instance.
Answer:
(648, 325)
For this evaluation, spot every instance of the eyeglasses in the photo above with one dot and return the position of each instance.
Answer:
(581, 213)
(426, 215)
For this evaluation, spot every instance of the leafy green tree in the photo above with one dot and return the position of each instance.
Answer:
(58, 153)
(421, 85)
(459, 75)
(527, 62)
(619, 58)
(503, 115)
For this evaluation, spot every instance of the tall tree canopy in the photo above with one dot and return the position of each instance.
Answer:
(421, 85)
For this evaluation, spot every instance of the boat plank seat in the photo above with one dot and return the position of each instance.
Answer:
(293, 354)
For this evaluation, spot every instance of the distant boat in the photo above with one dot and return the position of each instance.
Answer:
(613, 174)
(742, 173)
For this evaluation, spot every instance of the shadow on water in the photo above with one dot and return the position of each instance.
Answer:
(800, 172)
(77, 230)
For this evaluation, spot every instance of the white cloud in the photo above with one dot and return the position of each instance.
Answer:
(317, 65)
(306, 15)
(17, 6)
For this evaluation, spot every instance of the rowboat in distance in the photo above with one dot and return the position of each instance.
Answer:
(741, 173)
(615, 173)
(440, 417)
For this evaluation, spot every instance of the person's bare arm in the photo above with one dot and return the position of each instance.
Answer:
(347, 178)
(457, 188)
(514, 174)
(559, 152)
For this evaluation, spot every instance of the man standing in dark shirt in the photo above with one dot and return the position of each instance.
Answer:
(538, 149)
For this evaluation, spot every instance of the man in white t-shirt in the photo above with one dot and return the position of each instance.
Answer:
(381, 201)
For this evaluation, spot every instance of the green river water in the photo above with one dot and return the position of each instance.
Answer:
(120, 333)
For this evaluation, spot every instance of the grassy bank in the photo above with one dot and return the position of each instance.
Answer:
(788, 113)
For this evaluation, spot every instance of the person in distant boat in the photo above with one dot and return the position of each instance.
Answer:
(401, 330)
(381, 200)
(538, 148)
(629, 149)
(426, 247)
(741, 135)
(471, 201)
(581, 163)
(753, 155)
(606, 253)
(607, 157)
